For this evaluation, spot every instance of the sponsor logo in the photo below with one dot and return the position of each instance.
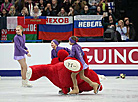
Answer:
(112, 55)
(57, 20)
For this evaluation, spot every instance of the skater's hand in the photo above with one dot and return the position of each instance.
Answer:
(28, 55)
(27, 51)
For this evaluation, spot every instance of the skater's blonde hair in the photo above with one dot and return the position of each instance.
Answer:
(19, 26)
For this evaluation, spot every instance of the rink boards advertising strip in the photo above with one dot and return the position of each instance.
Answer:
(108, 58)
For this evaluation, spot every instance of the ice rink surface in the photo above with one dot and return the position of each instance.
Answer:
(115, 90)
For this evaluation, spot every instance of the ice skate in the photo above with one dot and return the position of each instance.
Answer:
(74, 91)
(95, 87)
(25, 83)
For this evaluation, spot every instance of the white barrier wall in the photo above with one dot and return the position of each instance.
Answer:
(40, 54)
(101, 55)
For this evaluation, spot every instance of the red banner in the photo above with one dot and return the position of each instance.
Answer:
(35, 20)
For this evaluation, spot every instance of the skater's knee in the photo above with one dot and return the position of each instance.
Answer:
(73, 75)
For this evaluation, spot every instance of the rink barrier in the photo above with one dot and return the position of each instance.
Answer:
(124, 57)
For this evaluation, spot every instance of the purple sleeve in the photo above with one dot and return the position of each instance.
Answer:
(72, 53)
(25, 46)
(68, 50)
(82, 53)
(17, 44)
(52, 54)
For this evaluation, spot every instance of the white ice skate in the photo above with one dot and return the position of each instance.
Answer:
(25, 83)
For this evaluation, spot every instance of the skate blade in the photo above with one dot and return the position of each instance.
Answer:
(61, 93)
(73, 94)
(27, 86)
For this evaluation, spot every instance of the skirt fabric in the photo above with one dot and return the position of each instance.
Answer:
(19, 57)
(85, 66)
